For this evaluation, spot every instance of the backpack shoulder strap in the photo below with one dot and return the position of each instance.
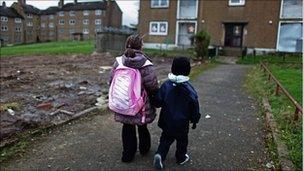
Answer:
(119, 61)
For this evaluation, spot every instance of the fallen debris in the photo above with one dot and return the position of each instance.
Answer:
(45, 106)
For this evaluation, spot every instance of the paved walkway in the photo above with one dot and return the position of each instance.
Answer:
(232, 138)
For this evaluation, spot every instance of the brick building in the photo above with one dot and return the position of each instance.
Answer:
(62, 22)
(11, 25)
(232, 24)
(31, 20)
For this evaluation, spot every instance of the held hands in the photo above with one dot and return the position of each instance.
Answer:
(193, 125)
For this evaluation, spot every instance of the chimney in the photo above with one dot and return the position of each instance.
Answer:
(61, 3)
(4, 4)
(75, 1)
(22, 2)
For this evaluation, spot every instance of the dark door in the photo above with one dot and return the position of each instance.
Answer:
(234, 35)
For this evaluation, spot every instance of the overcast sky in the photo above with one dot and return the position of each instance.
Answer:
(129, 7)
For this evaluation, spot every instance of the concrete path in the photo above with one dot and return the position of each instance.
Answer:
(232, 138)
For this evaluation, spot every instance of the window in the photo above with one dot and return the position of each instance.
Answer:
(61, 13)
(30, 32)
(72, 13)
(98, 29)
(159, 3)
(86, 13)
(97, 12)
(18, 29)
(86, 21)
(187, 9)
(98, 22)
(30, 24)
(4, 28)
(29, 16)
(72, 22)
(236, 2)
(72, 31)
(61, 31)
(51, 17)
(4, 19)
(17, 20)
(85, 31)
(51, 34)
(291, 9)
(61, 22)
(158, 28)
(51, 25)
(43, 25)
(290, 37)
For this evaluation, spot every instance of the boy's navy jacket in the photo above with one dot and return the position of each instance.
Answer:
(179, 106)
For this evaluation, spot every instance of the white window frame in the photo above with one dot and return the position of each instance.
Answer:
(72, 13)
(241, 3)
(86, 13)
(51, 25)
(279, 30)
(159, 6)
(29, 15)
(61, 22)
(98, 12)
(177, 30)
(4, 19)
(85, 31)
(71, 22)
(97, 21)
(4, 28)
(17, 29)
(86, 21)
(18, 20)
(29, 24)
(281, 12)
(158, 33)
(61, 13)
(178, 6)
(42, 25)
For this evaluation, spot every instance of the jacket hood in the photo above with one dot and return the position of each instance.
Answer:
(134, 62)
(178, 78)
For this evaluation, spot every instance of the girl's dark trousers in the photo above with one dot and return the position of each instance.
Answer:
(129, 141)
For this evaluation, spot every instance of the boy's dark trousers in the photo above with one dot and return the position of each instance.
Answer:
(129, 141)
(181, 145)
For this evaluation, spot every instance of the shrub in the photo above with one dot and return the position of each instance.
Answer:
(201, 41)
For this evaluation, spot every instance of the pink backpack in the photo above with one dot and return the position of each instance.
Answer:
(125, 96)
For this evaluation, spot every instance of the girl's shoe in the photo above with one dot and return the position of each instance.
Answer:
(157, 162)
(186, 160)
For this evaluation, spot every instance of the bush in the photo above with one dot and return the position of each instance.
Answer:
(201, 41)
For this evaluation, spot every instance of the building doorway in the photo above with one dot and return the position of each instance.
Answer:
(234, 35)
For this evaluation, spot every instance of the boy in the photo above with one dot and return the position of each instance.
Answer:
(179, 103)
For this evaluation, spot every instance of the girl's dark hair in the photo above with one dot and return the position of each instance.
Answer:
(133, 44)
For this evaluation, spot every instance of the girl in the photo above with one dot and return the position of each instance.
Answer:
(133, 57)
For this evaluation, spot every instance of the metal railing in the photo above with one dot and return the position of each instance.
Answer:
(279, 88)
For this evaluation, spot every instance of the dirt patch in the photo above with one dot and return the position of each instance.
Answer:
(41, 90)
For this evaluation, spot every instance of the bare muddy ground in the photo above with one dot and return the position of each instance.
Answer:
(44, 90)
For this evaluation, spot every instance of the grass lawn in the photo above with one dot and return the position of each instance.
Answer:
(291, 78)
(75, 47)
(170, 53)
(250, 59)
(49, 48)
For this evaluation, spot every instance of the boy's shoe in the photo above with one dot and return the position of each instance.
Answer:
(186, 160)
(157, 162)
